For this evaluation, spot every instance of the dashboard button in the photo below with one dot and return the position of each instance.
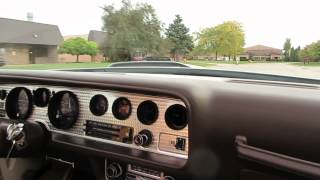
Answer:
(181, 144)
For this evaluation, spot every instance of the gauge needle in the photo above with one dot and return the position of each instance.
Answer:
(58, 114)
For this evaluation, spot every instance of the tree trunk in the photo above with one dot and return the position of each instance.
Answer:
(77, 58)
(93, 58)
(216, 55)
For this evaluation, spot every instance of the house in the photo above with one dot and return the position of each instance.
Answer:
(97, 36)
(260, 52)
(100, 37)
(27, 42)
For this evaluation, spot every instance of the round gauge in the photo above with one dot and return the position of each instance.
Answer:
(41, 97)
(147, 112)
(19, 104)
(63, 109)
(98, 105)
(176, 117)
(121, 108)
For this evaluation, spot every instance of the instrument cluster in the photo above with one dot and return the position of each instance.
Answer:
(151, 123)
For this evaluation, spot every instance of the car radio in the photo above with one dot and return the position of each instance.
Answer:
(138, 173)
(107, 131)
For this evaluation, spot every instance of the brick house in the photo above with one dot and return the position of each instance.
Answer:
(260, 52)
(97, 36)
(26, 42)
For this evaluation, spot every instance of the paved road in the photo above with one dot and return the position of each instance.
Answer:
(273, 68)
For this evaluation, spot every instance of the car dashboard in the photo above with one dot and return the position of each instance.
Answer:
(141, 122)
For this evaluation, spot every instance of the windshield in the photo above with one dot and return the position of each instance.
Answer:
(274, 37)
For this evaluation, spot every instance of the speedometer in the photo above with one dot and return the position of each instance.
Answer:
(19, 104)
(63, 109)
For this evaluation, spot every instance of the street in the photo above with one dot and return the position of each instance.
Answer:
(285, 69)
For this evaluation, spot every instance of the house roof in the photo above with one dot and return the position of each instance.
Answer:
(261, 50)
(97, 36)
(26, 32)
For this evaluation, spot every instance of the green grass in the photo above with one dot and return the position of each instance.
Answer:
(311, 64)
(56, 66)
(202, 63)
(208, 63)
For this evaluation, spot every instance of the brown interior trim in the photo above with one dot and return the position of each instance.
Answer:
(275, 160)
(102, 149)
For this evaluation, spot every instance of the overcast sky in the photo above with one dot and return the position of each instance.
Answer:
(266, 22)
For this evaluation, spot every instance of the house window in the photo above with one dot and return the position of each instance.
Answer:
(255, 58)
(13, 53)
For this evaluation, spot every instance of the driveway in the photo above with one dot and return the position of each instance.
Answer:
(273, 68)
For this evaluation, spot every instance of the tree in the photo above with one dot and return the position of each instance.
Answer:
(311, 52)
(287, 48)
(179, 36)
(165, 46)
(207, 42)
(77, 47)
(226, 39)
(92, 49)
(131, 29)
(231, 38)
(290, 53)
(294, 53)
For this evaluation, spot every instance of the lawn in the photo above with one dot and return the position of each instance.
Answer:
(311, 64)
(56, 66)
(208, 63)
(202, 63)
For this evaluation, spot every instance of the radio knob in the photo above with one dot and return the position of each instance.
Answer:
(114, 170)
(144, 138)
(168, 178)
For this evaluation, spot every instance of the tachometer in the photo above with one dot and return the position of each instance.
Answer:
(63, 109)
(19, 104)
